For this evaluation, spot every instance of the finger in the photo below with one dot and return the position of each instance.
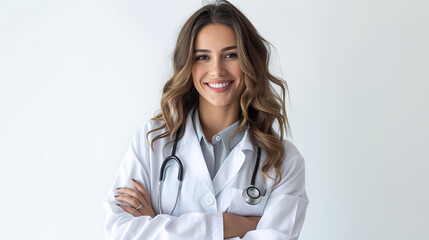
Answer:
(130, 210)
(142, 191)
(128, 199)
(133, 193)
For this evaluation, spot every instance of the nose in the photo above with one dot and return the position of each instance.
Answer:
(217, 68)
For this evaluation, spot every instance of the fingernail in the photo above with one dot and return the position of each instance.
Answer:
(118, 188)
(133, 180)
(116, 196)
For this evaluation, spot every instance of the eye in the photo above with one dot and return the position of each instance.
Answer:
(201, 57)
(231, 55)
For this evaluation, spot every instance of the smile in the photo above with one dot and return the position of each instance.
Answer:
(219, 85)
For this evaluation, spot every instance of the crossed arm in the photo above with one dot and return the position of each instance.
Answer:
(140, 205)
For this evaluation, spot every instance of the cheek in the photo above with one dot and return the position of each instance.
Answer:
(194, 74)
(196, 78)
(238, 73)
(197, 71)
(236, 70)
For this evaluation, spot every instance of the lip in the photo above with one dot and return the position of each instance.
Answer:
(219, 81)
(219, 90)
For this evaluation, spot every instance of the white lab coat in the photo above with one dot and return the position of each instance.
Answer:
(198, 214)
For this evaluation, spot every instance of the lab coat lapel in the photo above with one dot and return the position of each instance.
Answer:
(189, 150)
(232, 164)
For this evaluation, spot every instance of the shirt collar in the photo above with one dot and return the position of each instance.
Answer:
(225, 134)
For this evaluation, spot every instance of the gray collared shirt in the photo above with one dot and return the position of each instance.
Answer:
(216, 152)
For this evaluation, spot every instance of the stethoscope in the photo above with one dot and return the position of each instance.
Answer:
(251, 194)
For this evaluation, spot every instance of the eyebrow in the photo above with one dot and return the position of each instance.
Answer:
(223, 49)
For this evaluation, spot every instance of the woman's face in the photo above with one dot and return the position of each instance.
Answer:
(216, 71)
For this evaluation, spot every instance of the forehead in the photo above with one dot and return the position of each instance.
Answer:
(215, 37)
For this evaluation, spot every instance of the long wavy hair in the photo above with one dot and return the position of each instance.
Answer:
(261, 106)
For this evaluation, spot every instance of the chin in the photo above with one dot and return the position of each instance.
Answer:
(220, 103)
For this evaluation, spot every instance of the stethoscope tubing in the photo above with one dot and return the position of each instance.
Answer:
(251, 194)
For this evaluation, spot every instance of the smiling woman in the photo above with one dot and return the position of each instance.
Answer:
(229, 173)
(217, 76)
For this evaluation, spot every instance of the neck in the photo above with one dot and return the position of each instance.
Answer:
(214, 119)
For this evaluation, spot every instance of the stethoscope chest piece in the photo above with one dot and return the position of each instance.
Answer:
(252, 195)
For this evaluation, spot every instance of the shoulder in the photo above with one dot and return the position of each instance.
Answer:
(145, 127)
(292, 155)
(293, 172)
(143, 135)
(293, 162)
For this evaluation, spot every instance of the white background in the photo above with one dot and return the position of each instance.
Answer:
(78, 77)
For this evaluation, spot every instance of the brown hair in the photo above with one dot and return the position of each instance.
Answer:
(260, 104)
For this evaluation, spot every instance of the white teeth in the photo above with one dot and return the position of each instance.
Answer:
(219, 85)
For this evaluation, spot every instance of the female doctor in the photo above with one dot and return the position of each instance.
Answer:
(210, 165)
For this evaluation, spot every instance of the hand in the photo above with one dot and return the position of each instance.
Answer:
(138, 198)
(238, 226)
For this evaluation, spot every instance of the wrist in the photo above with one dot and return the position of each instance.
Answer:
(226, 225)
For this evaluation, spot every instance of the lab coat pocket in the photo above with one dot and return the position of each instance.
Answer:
(240, 207)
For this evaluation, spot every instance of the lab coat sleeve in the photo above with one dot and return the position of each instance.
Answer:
(285, 210)
(122, 225)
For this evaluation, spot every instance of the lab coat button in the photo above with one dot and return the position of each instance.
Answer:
(218, 138)
(209, 201)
